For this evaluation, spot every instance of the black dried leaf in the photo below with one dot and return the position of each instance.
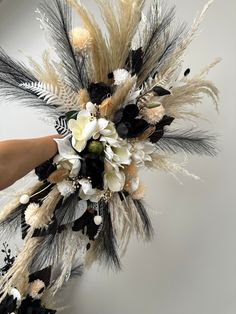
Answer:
(134, 62)
(160, 128)
(160, 91)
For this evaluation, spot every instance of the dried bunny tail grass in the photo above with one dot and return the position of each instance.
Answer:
(19, 269)
(46, 73)
(99, 50)
(83, 97)
(121, 19)
(191, 93)
(121, 93)
(40, 217)
(10, 208)
(164, 163)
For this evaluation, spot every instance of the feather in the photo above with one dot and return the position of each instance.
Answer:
(188, 141)
(15, 71)
(10, 90)
(104, 249)
(147, 225)
(158, 41)
(58, 22)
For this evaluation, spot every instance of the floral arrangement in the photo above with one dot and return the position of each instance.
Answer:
(115, 99)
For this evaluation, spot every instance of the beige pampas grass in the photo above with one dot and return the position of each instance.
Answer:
(47, 72)
(99, 51)
(165, 163)
(121, 18)
(19, 269)
(83, 98)
(121, 93)
(58, 176)
(190, 94)
(105, 109)
(40, 216)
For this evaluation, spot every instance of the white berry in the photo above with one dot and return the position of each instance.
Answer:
(24, 199)
(97, 220)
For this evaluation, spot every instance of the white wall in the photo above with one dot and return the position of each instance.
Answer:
(190, 267)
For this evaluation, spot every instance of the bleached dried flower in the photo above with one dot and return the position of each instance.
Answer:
(153, 115)
(81, 38)
(36, 289)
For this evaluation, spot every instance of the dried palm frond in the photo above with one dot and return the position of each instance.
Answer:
(61, 96)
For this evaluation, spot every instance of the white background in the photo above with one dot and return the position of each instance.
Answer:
(190, 267)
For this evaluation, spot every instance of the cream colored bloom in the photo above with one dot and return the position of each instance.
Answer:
(83, 128)
(114, 180)
(81, 38)
(88, 193)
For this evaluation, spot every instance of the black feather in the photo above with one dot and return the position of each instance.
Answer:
(59, 15)
(158, 34)
(15, 70)
(147, 225)
(188, 141)
(105, 246)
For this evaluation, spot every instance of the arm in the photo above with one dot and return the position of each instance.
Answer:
(19, 157)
